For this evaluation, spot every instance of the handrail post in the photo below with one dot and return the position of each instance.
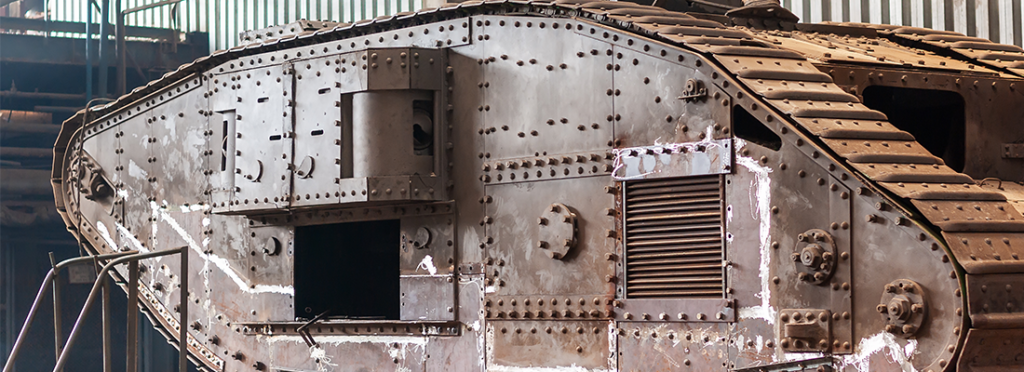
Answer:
(105, 306)
(9, 366)
(183, 308)
(131, 365)
(89, 301)
(58, 332)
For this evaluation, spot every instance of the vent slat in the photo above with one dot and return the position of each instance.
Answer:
(706, 286)
(637, 207)
(679, 222)
(639, 232)
(674, 216)
(680, 274)
(648, 243)
(673, 233)
(688, 195)
(711, 252)
(682, 293)
(696, 266)
(676, 234)
(666, 183)
(676, 208)
(636, 264)
(671, 248)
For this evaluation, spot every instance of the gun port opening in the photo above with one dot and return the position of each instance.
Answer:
(936, 118)
(748, 128)
(349, 269)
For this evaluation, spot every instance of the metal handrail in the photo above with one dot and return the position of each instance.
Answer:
(9, 366)
(183, 307)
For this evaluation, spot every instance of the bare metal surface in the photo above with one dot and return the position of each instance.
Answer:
(597, 186)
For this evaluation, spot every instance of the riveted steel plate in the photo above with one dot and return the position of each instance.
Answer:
(263, 136)
(551, 166)
(548, 307)
(880, 151)
(526, 121)
(853, 129)
(677, 346)
(674, 160)
(540, 344)
(317, 163)
(841, 228)
(106, 214)
(985, 253)
(350, 214)
(398, 188)
(333, 327)
(137, 172)
(996, 301)
(926, 191)
(930, 173)
(650, 108)
(427, 297)
(971, 216)
(178, 132)
(513, 230)
(992, 350)
(427, 245)
(676, 310)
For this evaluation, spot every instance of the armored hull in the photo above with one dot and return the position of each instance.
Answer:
(514, 185)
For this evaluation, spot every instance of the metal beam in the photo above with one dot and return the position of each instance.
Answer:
(102, 50)
(68, 51)
(25, 24)
(17, 127)
(25, 152)
(26, 182)
(60, 109)
(39, 95)
(150, 6)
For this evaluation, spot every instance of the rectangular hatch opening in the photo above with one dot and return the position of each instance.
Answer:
(350, 269)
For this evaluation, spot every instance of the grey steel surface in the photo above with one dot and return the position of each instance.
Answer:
(513, 219)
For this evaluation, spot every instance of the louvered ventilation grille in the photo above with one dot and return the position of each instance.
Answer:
(674, 237)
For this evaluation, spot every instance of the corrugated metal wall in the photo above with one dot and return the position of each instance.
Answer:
(997, 20)
(224, 19)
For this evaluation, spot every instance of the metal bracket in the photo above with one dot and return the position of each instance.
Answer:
(823, 364)
(694, 90)
(805, 330)
(1013, 151)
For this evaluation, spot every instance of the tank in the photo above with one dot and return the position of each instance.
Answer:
(571, 186)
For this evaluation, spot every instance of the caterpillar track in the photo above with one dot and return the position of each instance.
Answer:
(509, 185)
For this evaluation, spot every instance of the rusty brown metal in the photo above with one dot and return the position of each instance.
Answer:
(573, 185)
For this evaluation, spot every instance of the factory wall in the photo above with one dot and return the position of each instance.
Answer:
(224, 20)
(998, 20)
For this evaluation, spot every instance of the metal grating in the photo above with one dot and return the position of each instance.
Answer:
(674, 241)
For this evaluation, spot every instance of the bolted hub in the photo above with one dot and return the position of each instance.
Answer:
(903, 307)
(810, 256)
(814, 256)
(899, 307)
(558, 230)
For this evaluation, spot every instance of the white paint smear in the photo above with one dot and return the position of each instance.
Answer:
(106, 235)
(427, 264)
(220, 262)
(879, 342)
(760, 201)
